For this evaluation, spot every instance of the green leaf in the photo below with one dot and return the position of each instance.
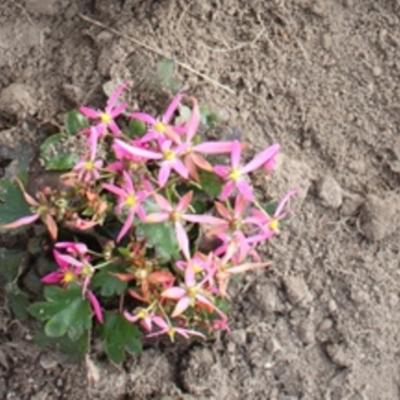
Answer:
(18, 302)
(55, 156)
(211, 183)
(75, 122)
(270, 207)
(162, 237)
(12, 202)
(136, 128)
(119, 336)
(208, 117)
(108, 284)
(10, 262)
(74, 350)
(65, 311)
(165, 75)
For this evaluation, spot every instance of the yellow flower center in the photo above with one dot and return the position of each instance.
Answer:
(192, 292)
(89, 165)
(235, 174)
(160, 127)
(197, 269)
(273, 225)
(69, 277)
(105, 118)
(130, 201)
(142, 314)
(141, 274)
(87, 270)
(175, 216)
(169, 155)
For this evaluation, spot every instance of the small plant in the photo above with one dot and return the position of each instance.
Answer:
(146, 226)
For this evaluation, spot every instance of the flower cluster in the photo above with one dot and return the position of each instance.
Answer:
(164, 215)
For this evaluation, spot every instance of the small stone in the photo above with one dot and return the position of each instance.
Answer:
(332, 306)
(18, 100)
(326, 41)
(377, 71)
(306, 332)
(380, 217)
(338, 355)
(291, 173)
(45, 7)
(393, 300)
(297, 290)
(330, 192)
(47, 362)
(351, 204)
(396, 147)
(239, 336)
(326, 325)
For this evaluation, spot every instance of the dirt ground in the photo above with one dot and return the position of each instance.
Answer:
(321, 77)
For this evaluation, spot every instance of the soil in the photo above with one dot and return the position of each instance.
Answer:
(321, 77)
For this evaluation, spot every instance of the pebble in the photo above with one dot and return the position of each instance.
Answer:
(332, 306)
(48, 362)
(326, 325)
(44, 7)
(306, 332)
(380, 216)
(18, 100)
(330, 192)
(297, 290)
(351, 204)
(327, 41)
(377, 71)
(338, 355)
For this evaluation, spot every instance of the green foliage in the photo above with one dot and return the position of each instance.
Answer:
(65, 312)
(18, 302)
(210, 183)
(108, 284)
(208, 117)
(75, 350)
(10, 263)
(75, 122)
(136, 128)
(55, 156)
(119, 336)
(12, 202)
(270, 207)
(165, 75)
(162, 238)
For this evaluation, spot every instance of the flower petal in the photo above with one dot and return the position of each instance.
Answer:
(90, 112)
(173, 293)
(164, 173)
(169, 113)
(95, 306)
(137, 151)
(236, 152)
(147, 118)
(261, 158)
(214, 147)
(245, 189)
(182, 238)
(21, 222)
(182, 305)
(127, 225)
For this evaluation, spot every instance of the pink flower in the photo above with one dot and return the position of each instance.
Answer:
(270, 224)
(188, 295)
(235, 174)
(128, 199)
(171, 331)
(70, 270)
(161, 129)
(192, 155)
(73, 248)
(88, 170)
(177, 215)
(168, 158)
(233, 230)
(144, 315)
(106, 119)
(225, 270)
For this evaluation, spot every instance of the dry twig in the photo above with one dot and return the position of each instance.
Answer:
(158, 52)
